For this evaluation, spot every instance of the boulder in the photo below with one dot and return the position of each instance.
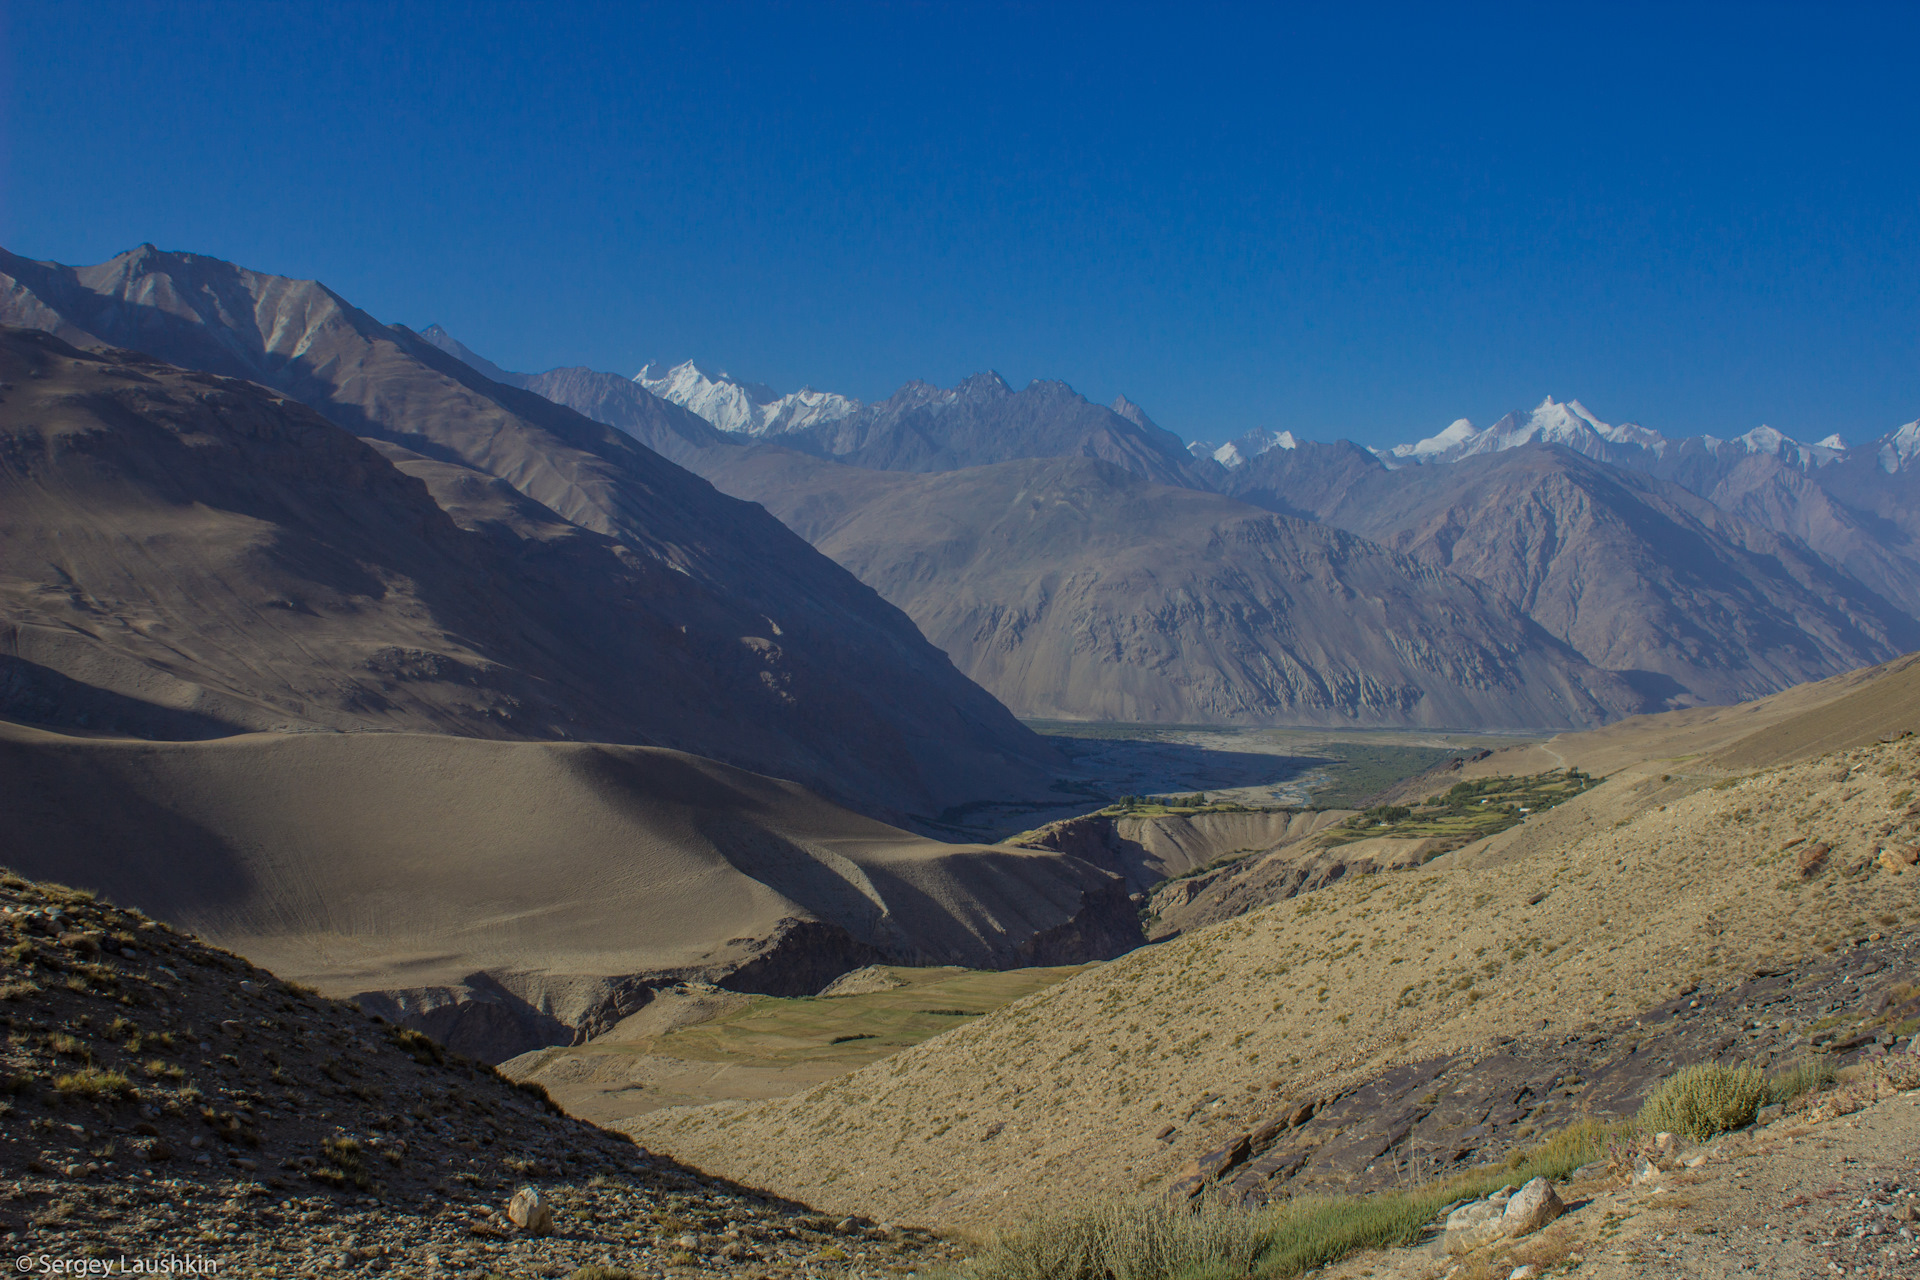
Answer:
(1532, 1207)
(1813, 857)
(530, 1213)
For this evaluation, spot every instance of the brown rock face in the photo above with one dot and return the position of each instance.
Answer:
(1073, 589)
(1689, 602)
(501, 566)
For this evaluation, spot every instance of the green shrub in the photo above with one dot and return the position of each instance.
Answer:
(1701, 1102)
(1152, 1239)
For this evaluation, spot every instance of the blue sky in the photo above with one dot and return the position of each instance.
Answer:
(1360, 224)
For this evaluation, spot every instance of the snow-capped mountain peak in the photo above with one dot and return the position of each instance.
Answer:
(743, 408)
(1244, 449)
(1898, 448)
(1458, 435)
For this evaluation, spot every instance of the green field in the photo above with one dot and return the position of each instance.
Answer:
(849, 1031)
(1469, 811)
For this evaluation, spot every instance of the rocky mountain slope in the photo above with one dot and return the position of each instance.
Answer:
(1071, 588)
(1696, 571)
(1685, 601)
(1666, 878)
(167, 1100)
(508, 895)
(695, 620)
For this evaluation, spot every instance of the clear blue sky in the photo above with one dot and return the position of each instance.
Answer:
(1360, 224)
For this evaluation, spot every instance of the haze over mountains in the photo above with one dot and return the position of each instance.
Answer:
(1548, 571)
(1687, 571)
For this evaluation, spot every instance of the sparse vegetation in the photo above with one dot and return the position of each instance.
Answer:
(1703, 1101)
(1152, 1239)
(93, 1083)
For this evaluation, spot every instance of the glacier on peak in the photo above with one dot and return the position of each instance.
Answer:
(743, 408)
(1243, 449)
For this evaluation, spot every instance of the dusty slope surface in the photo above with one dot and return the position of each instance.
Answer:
(1635, 889)
(1640, 576)
(503, 894)
(807, 663)
(1074, 590)
(1850, 710)
(169, 1099)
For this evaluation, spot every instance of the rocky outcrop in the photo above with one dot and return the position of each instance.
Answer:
(1426, 1119)
(1147, 849)
(1183, 905)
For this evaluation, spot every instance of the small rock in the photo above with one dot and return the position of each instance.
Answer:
(530, 1213)
(1527, 1272)
(1694, 1162)
(1532, 1207)
(1663, 1142)
(1643, 1172)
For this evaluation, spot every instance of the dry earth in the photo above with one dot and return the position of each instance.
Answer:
(165, 1100)
(1656, 881)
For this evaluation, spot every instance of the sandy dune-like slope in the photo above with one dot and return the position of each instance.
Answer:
(1840, 712)
(1603, 906)
(549, 879)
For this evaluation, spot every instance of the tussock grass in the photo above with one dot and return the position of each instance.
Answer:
(1701, 1102)
(1800, 1079)
(1146, 1238)
(91, 1082)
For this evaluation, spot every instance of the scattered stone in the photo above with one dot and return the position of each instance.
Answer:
(1532, 1207)
(528, 1211)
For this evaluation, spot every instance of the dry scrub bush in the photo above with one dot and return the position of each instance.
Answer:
(1139, 1238)
(1704, 1101)
(91, 1082)
(1148, 1239)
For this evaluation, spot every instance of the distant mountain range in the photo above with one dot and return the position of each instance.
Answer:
(1695, 569)
(1547, 570)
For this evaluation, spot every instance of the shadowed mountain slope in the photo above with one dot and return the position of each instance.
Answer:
(1074, 589)
(1640, 576)
(501, 894)
(808, 674)
(186, 555)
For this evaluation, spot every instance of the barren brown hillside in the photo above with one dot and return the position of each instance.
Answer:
(1654, 881)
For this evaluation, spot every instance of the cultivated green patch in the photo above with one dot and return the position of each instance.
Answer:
(1469, 811)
